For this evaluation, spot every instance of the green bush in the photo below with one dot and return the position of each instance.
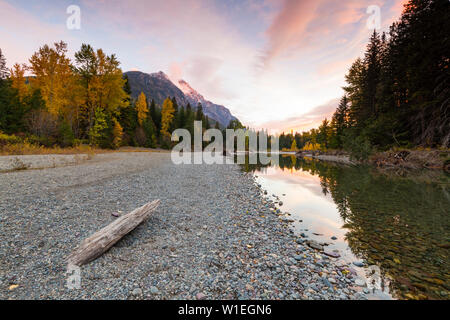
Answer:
(358, 146)
(66, 137)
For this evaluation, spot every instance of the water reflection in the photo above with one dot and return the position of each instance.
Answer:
(400, 224)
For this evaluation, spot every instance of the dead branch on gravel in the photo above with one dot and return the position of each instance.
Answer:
(97, 244)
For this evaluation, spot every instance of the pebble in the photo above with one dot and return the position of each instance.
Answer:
(200, 296)
(213, 234)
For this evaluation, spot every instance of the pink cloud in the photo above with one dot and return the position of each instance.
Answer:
(306, 121)
(18, 33)
(304, 25)
(288, 26)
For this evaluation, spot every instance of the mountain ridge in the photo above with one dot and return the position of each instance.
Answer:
(158, 86)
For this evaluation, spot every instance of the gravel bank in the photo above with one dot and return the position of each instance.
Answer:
(212, 237)
(12, 163)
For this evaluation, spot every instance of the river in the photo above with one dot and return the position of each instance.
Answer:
(396, 223)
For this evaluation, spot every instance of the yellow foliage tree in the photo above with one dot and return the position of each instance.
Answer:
(17, 74)
(53, 75)
(294, 146)
(141, 108)
(117, 134)
(101, 80)
(310, 146)
(167, 114)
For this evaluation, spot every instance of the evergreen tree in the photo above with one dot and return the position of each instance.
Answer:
(176, 116)
(199, 114)
(4, 73)
(156, 116)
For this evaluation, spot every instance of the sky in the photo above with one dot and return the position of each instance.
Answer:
(276, 64)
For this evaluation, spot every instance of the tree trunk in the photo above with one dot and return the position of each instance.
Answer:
(94, 246)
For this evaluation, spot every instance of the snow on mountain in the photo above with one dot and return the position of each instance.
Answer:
(158, 86)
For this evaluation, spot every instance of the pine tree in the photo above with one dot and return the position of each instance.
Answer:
(199, 113)
(97, 131)
(176, 116)
(156, 116)
(323, 134)
(181, 118)
(339, 123)
(4, 73)
(190, 117)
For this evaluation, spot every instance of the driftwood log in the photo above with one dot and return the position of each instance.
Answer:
(94, 246)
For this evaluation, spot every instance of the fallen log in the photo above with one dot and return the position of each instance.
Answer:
(97, 244)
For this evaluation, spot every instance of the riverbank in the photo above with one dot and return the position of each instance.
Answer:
(395, 159)
(214, 235)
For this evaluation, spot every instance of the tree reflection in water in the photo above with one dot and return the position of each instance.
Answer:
(400, 224)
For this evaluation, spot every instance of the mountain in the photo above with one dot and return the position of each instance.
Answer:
(158, 86)
(212, 110)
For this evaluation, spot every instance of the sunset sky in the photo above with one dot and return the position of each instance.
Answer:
(276, 64)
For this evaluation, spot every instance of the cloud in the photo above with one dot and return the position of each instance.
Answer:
(189, 39)
(18, 32)
(288, 27)
(306, 121)
(307, 26)
(306, 46)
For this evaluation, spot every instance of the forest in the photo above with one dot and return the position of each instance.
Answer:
(397, 94)
(54, 101)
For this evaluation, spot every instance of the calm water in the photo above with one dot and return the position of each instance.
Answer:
(399, 223)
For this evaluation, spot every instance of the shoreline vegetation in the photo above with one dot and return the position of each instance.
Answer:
(414, 159)
(396, 101)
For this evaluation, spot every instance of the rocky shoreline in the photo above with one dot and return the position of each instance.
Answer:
(214, 236)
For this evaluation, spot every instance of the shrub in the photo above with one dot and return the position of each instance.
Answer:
(358, 146)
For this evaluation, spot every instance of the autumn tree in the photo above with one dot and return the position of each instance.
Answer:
(52, 75)
(294, 145)
(102, 83)
(141, 108)
(167, 114)
(18, 80)
(117, 134)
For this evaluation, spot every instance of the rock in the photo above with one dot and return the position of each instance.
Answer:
(314, 244)
(298, 257)
(115, 214)
(200, 296)
(333, 238)
(360, 282)
(358, 264)
(154, 290)
(332, 254)
(327, 282)
(137, 292)
(280, 203)
(249, 287)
